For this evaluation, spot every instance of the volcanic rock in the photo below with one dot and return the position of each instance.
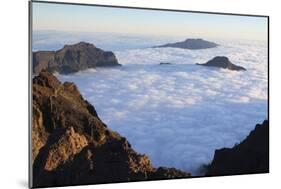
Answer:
(73, 58)
(222, 62)
(72, 146)
(192, 44)
(250, 156)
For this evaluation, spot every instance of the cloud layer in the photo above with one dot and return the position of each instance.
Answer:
(179, 114)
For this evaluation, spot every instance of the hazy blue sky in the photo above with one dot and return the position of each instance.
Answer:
(64, 17)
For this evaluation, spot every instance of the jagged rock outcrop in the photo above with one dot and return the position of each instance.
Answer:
(73, 58)
(222, 62)
(192, 44)
(250, 156)
(72, 146)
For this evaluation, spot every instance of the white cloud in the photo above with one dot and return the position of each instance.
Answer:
(179, 114)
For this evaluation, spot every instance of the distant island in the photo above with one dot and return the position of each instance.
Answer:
(222, 62)
(192, 44)
(73, 58)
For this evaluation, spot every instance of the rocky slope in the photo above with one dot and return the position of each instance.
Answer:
(250, 156)
(73, 58)
(222, 62)
(192, 44)
(72, 146)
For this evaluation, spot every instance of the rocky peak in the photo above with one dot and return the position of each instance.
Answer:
(46, 79)
(222, 62)
(192, 44)
(81, 44)
(198, 39)
(221, 59)
(73, 58)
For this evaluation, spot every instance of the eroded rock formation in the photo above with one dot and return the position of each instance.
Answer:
(73, 58)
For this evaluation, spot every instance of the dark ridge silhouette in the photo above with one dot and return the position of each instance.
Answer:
(250, 156)
(222, 62)
(192, 44)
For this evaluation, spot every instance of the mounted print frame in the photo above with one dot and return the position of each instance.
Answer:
(124, 94)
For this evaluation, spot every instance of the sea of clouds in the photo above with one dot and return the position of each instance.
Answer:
(179, 114)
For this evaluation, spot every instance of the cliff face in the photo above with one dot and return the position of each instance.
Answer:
(250, 156)
(72, 146)
(73, 58)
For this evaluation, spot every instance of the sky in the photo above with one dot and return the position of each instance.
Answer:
(79, 18)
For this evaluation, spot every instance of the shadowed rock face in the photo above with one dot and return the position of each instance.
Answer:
(250, 156)
(73, 58)
(223, 62)
(192, 44)
(72, 146)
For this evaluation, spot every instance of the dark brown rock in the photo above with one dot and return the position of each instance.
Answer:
(42, 59)
(250, 156)
(73, 58)
(222, 62)
(72, 146)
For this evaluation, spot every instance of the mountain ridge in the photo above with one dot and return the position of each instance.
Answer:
(192, 44)
(73, 58)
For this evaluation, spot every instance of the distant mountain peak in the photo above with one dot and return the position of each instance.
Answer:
(197, 39)
(80, 44)
(73, 58)
(222, 62)
(192, 44)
